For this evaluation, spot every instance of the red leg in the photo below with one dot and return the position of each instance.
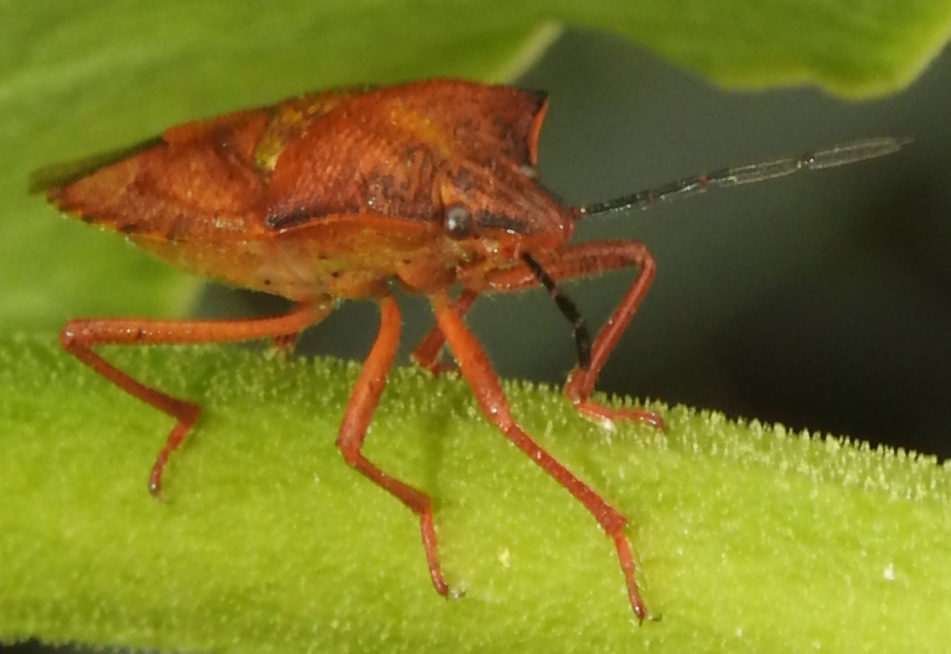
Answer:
(488, 393)
(578, 261)
(426, 353)
(285, 342)
(78, 337)
(353, 430)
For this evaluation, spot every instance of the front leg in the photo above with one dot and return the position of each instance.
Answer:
(578, 261)
(488, 393)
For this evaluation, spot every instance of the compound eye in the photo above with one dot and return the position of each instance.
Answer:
(458, 222)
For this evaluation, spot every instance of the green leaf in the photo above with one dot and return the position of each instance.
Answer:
(81, 78)
(748, 538)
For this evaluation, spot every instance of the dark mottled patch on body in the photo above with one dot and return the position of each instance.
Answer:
(489, 220)
(288, 218)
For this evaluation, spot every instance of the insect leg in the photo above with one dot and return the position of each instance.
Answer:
(590, 259)
(601, 257)
(356, 419)
(426, 353)
(78, 337)
(488, 393)
(285, 342)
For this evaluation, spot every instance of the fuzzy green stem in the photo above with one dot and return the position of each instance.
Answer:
(748, 538)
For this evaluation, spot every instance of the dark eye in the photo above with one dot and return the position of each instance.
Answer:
(458, 222)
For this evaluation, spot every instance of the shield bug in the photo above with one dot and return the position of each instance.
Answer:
(344, 194)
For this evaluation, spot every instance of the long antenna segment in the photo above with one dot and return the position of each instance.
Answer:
(839, 155)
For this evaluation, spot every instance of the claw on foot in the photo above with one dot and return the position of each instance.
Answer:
(606, 417)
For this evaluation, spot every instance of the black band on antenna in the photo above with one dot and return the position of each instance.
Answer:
(568, 310)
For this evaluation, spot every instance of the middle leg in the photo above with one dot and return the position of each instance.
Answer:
(356, 419)
(426, 352)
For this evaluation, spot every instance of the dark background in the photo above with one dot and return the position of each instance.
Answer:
(822, 300)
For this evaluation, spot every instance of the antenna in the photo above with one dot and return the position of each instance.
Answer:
(839, 155)
(568, 310)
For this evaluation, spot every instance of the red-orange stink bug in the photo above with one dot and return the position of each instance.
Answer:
(345, 193)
